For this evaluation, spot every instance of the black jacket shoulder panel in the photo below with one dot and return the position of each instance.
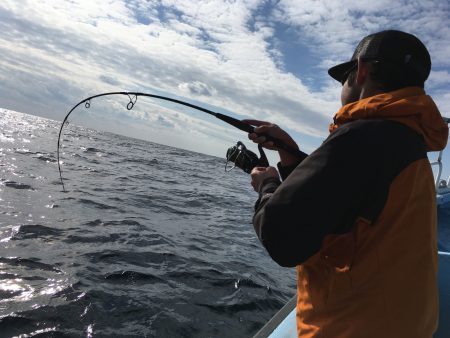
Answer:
(346, 177)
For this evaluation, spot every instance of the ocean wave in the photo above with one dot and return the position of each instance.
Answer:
(148, 240)
(18, 185)
(132, 277)
(28, 231)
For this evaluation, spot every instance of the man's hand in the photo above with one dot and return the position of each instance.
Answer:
(259, 174)
(267, 128)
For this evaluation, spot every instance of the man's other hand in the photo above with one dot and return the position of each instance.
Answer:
(260, 174)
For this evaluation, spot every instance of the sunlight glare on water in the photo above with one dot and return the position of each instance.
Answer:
(149, 240)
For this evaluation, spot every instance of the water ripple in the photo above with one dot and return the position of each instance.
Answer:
(148, 240)
(18, 185)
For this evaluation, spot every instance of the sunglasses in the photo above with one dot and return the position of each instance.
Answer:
(355, 66)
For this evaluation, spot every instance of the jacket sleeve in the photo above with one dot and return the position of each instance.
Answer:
(322, 195)
(285, 171)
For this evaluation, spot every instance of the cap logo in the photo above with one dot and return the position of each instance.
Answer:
(407, 58)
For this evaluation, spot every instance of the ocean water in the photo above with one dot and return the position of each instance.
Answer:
(148, 240)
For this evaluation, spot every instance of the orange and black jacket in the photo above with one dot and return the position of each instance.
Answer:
(357, 217)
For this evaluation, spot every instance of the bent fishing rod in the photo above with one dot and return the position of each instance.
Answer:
(235, 155)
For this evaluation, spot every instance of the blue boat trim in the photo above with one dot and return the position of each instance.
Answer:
(281, 323)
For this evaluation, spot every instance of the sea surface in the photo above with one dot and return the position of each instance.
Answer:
(147, 241)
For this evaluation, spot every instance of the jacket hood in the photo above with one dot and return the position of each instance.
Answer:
(410, 106)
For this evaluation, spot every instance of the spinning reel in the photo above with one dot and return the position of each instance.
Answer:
(245, 159)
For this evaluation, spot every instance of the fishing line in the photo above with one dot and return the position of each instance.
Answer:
(133, 96)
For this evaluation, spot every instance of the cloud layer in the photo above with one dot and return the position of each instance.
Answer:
(227, 54)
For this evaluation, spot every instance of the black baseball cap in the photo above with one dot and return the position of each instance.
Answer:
(399, 48)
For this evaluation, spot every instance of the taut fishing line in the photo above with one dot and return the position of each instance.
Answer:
(239, 154)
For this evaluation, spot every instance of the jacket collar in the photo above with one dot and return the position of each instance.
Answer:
(410, 106)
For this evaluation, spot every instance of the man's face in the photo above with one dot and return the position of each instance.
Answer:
(350, 90)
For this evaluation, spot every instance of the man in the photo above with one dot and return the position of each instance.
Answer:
(357, 217)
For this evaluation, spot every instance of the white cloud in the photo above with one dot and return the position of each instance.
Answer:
(54, 53)
(442, 100)
(197, 87)
(335, 27)
(79, 44)
(438, 79)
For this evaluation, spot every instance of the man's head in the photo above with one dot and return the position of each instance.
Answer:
(392, 60)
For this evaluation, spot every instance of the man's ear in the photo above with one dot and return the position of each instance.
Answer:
(362, 73)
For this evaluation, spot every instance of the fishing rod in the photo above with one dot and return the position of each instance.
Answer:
(236, 154)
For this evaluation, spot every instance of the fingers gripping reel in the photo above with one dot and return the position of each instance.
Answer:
(245, 159)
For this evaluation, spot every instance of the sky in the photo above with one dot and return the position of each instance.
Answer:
(257, 59)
